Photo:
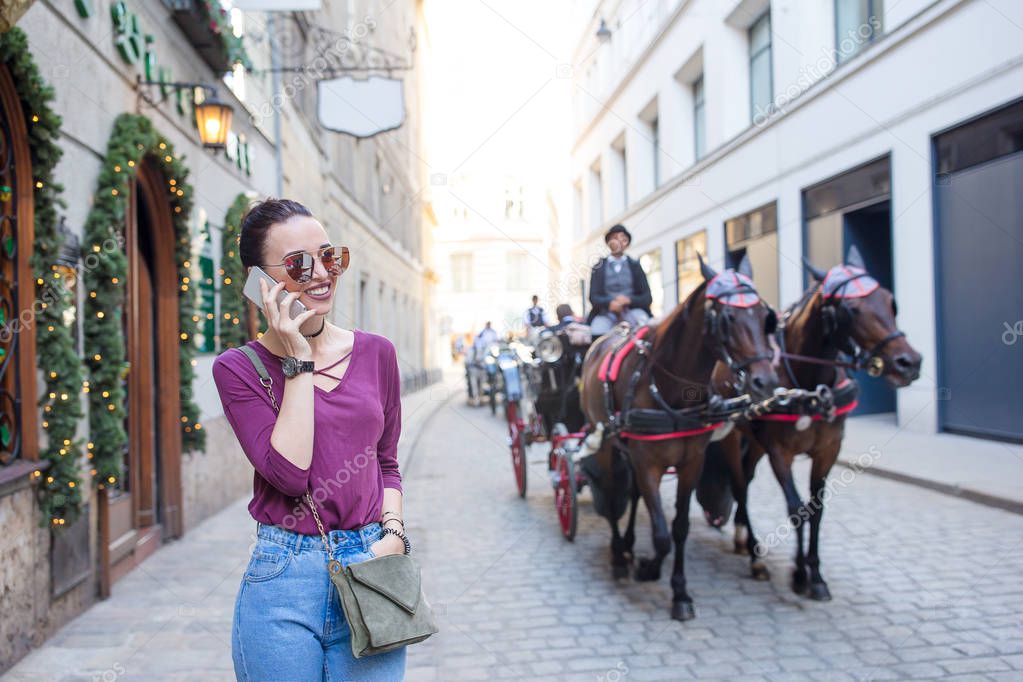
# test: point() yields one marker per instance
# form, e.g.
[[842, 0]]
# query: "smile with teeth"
[[321, 292]]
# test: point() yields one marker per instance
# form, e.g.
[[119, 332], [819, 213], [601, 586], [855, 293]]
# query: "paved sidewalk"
[[985, 471], [170, 618]]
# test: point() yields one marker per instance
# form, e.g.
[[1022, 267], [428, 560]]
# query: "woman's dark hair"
[[256, 224]]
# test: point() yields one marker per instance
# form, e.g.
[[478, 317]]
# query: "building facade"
[[494, 247], [113, 438], [782, 129]]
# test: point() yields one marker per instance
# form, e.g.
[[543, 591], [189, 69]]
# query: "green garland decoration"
[[133, 138], [59, 487], [233, 330]]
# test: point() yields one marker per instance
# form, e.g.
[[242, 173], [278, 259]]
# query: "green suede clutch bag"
[[382, 598]]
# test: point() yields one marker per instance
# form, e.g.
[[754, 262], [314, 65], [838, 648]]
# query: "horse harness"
[[661, 423], [836, 317], [666, 422]]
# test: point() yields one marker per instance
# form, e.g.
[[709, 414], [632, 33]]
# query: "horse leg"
[[681, 602], [797, 515], [648, 480], [751, 455], [629, 539], [822, 463], [742, 464], [612, 480]]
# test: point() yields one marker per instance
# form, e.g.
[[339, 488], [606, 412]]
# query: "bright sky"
[[494, 103]]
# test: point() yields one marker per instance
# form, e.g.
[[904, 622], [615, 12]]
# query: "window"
[[596, 212], [857, 24], [461, 272], [686, 263], [761, 86], [518, 267], [755, 234], [364, 302], [513, 202], [651, 264], [699, 129], [655, 140], [577, 210], [620, 175]]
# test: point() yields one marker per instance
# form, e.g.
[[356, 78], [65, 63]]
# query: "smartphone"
[[253, 293]]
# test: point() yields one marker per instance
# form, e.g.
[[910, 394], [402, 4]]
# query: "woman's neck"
[[317, 344]]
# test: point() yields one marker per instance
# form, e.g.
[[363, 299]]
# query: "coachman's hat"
[[615, 230]]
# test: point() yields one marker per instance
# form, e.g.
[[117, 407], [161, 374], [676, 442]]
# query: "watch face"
[[290, 366]]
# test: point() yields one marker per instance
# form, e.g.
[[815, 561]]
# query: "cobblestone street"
[[924, 585]]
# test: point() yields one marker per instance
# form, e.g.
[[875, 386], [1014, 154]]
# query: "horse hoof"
[[683, 610], [620, 572], [647, 570], [760, 572], [820, 592]]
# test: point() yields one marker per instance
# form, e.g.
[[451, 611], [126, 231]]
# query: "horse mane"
[[796, 309], [670, 330]]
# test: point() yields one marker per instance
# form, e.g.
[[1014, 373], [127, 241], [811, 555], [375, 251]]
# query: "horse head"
[[737, 324], [858, 317]]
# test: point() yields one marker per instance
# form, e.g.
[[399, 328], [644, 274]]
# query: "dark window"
[[871, 181], [760, 79], [985, 139], [699, 129], [857, 24]]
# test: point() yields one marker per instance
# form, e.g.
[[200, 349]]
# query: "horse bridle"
[[717, 329], [831, 307]]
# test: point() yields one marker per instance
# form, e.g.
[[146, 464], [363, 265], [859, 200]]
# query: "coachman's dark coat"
[[600, 299]]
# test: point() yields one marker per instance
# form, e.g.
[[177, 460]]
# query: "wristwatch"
[[292, 366]]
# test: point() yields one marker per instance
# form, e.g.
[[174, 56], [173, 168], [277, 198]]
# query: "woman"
[[335, 436]]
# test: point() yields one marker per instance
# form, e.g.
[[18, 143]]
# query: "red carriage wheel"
[[565, 494], [517, 441]]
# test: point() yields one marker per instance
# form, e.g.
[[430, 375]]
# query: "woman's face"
[[301, 233]]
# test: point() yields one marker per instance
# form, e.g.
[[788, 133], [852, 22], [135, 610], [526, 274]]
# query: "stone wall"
[[30, 614]]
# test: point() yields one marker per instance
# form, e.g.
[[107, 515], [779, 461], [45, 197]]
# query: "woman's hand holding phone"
[[288, 329]]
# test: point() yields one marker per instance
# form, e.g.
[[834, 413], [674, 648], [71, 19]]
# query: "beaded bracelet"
[[391, 531]]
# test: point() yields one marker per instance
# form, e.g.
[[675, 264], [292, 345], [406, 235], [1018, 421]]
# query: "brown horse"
[[844, 311], [730, 324]]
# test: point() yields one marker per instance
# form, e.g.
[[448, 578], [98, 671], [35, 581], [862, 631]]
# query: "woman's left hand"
[[389, 544]]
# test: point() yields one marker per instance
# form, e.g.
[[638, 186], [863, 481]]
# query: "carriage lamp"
[[212, 115], [549, 349]]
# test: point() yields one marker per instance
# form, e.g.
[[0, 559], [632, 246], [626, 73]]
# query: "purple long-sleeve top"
[[355, 437]]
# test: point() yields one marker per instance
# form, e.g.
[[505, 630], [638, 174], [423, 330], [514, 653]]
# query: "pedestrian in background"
[[334, 435]]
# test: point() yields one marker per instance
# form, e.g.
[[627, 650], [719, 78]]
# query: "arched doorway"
[[148, 509], [18, 442]]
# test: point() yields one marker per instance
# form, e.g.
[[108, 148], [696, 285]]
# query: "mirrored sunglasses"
[[299, 266]]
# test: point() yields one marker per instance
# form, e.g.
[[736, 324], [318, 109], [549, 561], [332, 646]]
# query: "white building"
[[493, 251], [787, 128]]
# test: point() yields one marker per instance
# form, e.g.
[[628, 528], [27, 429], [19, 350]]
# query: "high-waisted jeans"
[[288, 621]]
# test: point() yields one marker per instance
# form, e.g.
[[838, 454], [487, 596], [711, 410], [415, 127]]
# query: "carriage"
[[546, 409]]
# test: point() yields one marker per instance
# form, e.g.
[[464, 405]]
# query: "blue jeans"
[[288, 622]]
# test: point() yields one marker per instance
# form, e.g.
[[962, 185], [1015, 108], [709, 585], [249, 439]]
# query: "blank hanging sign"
[[361, 107], [277, 5]]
